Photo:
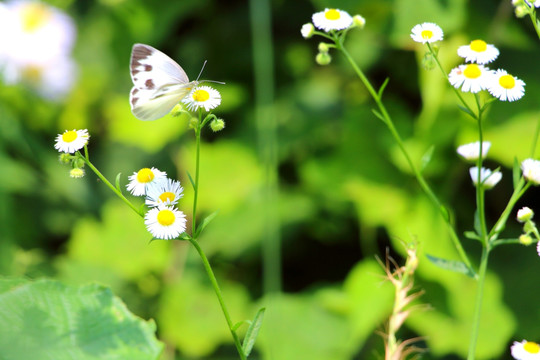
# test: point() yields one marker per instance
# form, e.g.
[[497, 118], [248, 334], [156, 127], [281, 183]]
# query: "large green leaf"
[[49, 320]]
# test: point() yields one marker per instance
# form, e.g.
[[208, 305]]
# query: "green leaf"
[[253, 331], [471, 235], [383, 86], [516, 173], [49, 320], [452, 265], [142, 208], [184, 236], [191, 180], [378, 114], [426, 158], [117, 182], [467, 111], [205, 222]]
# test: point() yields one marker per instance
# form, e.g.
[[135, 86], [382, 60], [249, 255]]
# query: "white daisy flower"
[[165, 222], [487, 178], [202, 97], [426, 33], [478, 51], [524, 214], [470, 78], [471, 151], [531, 170], [506, 87], [533, 3], [37, 50], [71, 141], [332, 19], [141, 180], [166, 192], [525, 350], [307, 30]]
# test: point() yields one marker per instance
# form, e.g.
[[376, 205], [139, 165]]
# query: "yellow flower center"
[[145, 175], [472, 71], [166, 196], [478, 45], [69, 136], [531, 347], [426, 34], [507, 81], [332, 14], [34, 16], [32, 73], [201, 95], [165, 217]]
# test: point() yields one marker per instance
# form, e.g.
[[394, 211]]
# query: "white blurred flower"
[[471, 151], [488, 178], [531, 170], [525, 350], [38, 46], [524, 214]]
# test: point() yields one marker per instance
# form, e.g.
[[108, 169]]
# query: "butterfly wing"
[[159, 83]]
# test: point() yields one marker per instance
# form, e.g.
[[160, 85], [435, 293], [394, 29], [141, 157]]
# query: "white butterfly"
[[159, 83]]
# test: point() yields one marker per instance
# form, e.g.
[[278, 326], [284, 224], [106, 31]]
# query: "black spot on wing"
[[149, 84]]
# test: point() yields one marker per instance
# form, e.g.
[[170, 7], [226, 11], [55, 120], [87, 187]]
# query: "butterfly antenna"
[[200, 73], [213, 81]]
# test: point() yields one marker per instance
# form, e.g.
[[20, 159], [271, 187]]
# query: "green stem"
[[198, 131], [217, 290], [532, 14], [419, 177], [516, 195], [478, 302], [106, 182], [480, 189], [194, 242]]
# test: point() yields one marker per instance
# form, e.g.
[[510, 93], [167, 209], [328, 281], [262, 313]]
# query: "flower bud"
[[524, 214], [65, 158], [323, 58], [525, 240], [76, 173], [307, 30], [323, 47], [193, 123], [217, 125], [359, 21]]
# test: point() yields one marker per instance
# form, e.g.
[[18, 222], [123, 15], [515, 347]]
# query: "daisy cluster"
[[68, 143], [474, 76], [36, 48], [330, 21], [163, 220]]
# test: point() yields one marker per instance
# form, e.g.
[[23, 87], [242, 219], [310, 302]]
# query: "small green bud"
[[323, 47], [177, 110], [193, 123], [525, 240], [323, 58], [78, 163], [359, 21], [65, 158], [428, 62], [217, 125], [521, 10], [76, 173]]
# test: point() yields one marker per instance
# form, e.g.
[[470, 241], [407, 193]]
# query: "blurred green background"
[[345, 192]]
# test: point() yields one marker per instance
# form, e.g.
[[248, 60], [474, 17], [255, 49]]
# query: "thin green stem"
[[480, 189], [217, 290], [193, 240], [478, 302], [532, 14], [419, 177], [458, 94], [516, 195], [535, 138], [198, 131], [107, 182]]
